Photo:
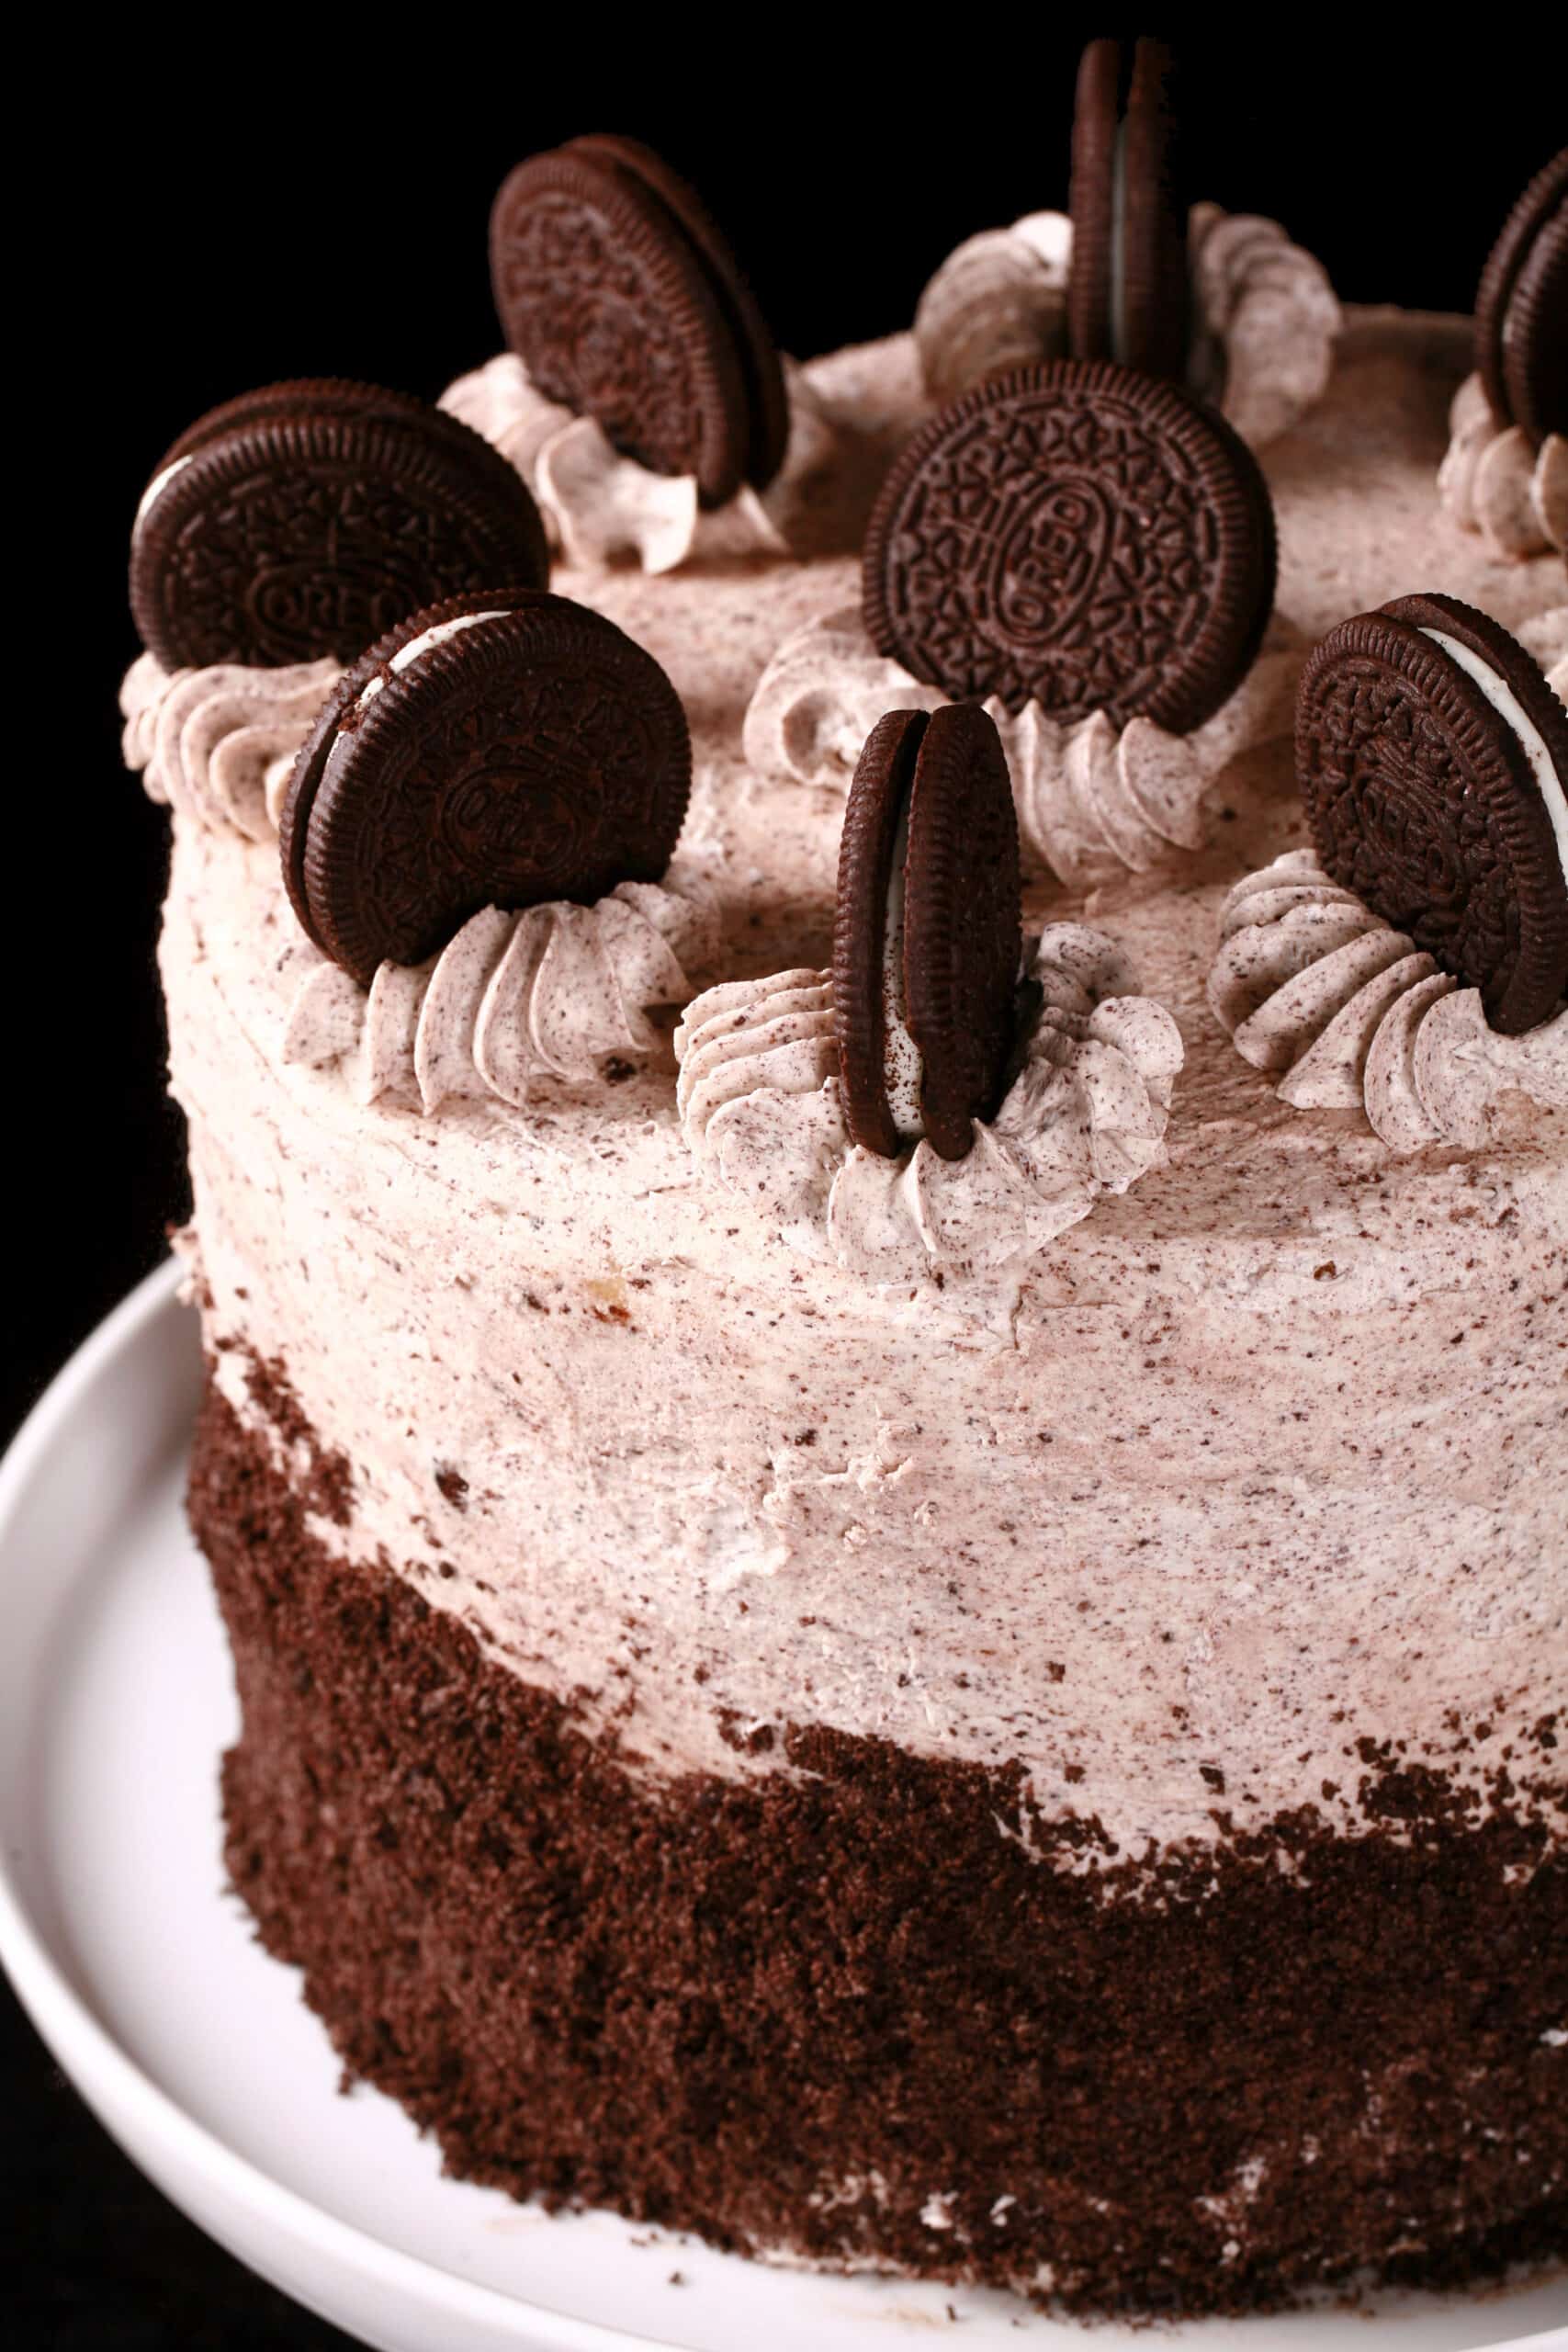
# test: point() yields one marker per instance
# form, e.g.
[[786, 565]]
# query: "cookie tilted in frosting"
[[305, 519], [1413, 965], [501, 750], [1505, 474], [1432, 755], [644, 401]]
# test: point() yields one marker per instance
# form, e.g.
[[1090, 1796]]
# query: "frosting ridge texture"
[[758, 1095], [1493, 479], [1093, 800], [218, 744], [1266, 315], [602, 507], [1311, 984], [513, 998]]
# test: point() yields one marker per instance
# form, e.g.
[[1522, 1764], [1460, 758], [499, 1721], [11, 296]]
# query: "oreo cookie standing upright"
[[1432, 756], [306, 518], [1521, 309], [927, 941], [623, 302], [1079, 535], [501, 749], [1129, 295]]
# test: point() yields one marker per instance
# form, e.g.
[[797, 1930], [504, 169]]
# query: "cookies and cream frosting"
[[602, 508], [1493, 479], [1266, 315], [758, 1101], [556, 991], [1093, 800], [219, 744], [1310, 984]]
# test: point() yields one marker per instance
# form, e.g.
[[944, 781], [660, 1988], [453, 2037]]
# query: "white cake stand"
[[196, 2053]]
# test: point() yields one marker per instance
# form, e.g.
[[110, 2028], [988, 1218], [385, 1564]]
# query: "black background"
[[322, 212]]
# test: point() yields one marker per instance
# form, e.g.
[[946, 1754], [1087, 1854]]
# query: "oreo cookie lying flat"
[[499, 749], [1521, 309], [926, 939], [1128, 288], [305, 519], [1079, 535], [1432, 759], [623, 301]]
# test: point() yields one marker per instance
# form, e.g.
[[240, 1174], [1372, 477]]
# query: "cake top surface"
[[1257, 1204]]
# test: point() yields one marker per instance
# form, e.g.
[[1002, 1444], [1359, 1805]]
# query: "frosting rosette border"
[[218, 745], [1266, 316], [1495, 480], [1094, 801], [514, 999], [1348, 1014], [758, 1096], [602, 508]]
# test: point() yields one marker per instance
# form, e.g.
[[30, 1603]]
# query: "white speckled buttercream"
[[1267, 1460]]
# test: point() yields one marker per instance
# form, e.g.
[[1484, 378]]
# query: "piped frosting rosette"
[[1094, 800], [1493, 479], [758, 1095], [1311, 985], [602, 508], [218, 745], [1266, 315], [514, 999]]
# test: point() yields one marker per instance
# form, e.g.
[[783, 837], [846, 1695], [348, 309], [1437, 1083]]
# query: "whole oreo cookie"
[[306, 518], [1079, 535], [926, 941], [499, 749], [623, 301], [1128, 288], [1521, 309], [1432, 759]]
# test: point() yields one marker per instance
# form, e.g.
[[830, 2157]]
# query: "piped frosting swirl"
[[219, 744], [1310, 984], [758, 1095], [1094, 801], [1266, 317], [1495, 480], [602, 508], [513, 1000]]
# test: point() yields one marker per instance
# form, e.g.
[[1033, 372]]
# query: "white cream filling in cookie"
[[903, 1064], [1506, 704]]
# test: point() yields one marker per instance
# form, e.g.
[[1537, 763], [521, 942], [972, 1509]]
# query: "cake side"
[[862, 2010]]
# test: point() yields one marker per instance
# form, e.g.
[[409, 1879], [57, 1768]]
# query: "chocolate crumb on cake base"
[[867, 2007]]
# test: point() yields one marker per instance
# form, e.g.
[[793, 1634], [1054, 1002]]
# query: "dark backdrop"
[[323, 212]]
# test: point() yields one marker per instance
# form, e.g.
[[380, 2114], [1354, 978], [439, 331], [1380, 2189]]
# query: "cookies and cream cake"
[[888, 1603]]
